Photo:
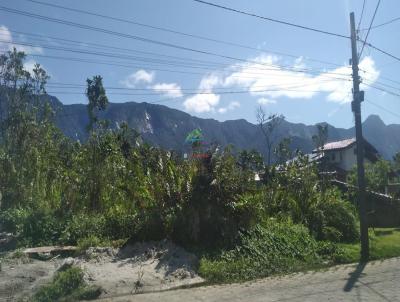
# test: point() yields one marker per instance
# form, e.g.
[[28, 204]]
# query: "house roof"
[[370, 152], [343, 144]]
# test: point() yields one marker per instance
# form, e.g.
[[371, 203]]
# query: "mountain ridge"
[[167, 127]]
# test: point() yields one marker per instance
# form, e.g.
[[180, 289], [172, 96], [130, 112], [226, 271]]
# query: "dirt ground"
[[138, 268], [373, 282]]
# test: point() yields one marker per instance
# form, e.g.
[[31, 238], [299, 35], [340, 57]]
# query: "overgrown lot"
[[115, 187]]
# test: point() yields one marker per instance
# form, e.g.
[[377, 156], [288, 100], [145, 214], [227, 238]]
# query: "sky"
[[239, 63]]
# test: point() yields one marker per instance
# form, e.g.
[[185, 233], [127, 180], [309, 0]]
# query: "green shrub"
[[67, 285], [91, 241], [262, 251], [119, 224], [41, 227], [12, 220], [82, 225], [334, 220]]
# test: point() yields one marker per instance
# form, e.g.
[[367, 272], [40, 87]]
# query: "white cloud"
[[171, 90], [209, 82], [205, 100], [368, 71], [231, 106], [7, 43], [266, 78], [140, 76], [202, 102], [265, 101]]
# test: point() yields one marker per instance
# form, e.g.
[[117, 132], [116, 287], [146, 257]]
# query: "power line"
[[383, 89], [143, 25], [272, 67], [382, 24], [382, 108], [196, 93], [362, 13], [94, 45], [186, 72], [381, 50], [380, 83], [176, 32], [154, 27], [157, 54], [369, 29], [106, 31], [79, 86], [272, 19], [209, 63]]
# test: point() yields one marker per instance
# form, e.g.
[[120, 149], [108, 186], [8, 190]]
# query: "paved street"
[[377, 281]]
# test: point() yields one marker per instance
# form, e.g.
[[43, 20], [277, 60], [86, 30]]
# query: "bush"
[[85, 243], [12, 220], [119, 224], [334, 220], [41, 227], [262, 251], [67, 285], [82, 225]]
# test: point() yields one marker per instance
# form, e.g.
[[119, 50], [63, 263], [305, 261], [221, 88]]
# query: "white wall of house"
[[344, 158]]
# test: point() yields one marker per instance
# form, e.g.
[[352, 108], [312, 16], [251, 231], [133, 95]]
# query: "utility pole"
[[358, 97]]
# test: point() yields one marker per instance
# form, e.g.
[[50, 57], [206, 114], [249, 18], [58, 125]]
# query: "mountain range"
[[166, 127]]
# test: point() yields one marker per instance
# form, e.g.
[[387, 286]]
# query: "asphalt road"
[[376, 281]]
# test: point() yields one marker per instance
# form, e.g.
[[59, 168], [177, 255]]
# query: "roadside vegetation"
[[384, 243], [67, 286], [114, 187]]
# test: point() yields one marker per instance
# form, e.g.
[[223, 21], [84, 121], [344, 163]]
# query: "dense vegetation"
[[54, 190]]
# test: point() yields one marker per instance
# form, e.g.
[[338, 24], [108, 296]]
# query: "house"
[[341, 156]]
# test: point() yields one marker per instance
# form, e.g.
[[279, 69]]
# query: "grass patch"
[[66, 286], [274, 248], [384, 243]]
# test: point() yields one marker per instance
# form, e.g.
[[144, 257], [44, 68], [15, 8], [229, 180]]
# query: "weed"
[[66, 286], [265, 250]]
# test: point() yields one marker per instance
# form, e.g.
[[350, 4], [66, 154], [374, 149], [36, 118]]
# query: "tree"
[[396, 159], [268, 126], [321, 137], [282, 150], [376, 175], [97, 98], [250, 160], [98, 101]]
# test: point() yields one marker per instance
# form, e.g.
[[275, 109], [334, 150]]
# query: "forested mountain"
[[166, 127]]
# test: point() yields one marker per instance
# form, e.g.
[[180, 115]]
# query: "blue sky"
[[303, 90]]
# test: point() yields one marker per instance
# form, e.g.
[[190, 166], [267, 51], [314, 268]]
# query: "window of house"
[[333, 156]]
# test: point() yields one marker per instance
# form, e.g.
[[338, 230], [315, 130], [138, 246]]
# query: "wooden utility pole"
[[358, 97]]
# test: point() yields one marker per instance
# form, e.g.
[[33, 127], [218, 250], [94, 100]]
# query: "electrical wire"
[[381, 50], [158, 54], [383, 89], [273, 20], [369, 29], [143, 25], [383, 24], [272, 67], [196, 93], [383, 108], [362, 13], [106, 31], [147, 40]]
